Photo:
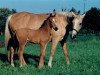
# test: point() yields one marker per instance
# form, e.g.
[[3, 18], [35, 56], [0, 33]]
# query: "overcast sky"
[[43, 6]]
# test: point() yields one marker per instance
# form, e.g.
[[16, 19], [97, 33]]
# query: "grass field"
[[84, 55]]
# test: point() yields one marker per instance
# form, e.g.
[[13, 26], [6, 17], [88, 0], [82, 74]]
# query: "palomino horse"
[[73, 25], [22, 20], [61, 37], [77, 24], [34, 22], [41, 36]]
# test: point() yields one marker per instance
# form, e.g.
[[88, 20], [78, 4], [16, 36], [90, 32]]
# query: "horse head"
[[52, 20], [77, 24]]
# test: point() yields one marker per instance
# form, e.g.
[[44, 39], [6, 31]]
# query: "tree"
[[92, 19], [4, 13]]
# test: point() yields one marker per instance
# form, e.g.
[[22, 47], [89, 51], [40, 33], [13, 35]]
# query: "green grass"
[[84, 55]]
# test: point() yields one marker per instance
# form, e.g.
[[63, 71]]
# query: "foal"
[[41, 36]]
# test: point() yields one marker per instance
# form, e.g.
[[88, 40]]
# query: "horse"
[[63, 40], [41, 36], [72, 25], [22, 20], [77, 24], [61, 20]]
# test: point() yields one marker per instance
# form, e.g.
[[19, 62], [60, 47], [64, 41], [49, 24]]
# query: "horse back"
[[27, 20]]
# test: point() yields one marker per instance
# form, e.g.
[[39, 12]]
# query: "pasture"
[[84, 56]]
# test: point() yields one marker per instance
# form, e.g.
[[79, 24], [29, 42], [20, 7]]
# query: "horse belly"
[[34, 37], [35, 40]]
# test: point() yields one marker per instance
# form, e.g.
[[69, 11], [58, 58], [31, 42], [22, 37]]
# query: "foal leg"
[[63, 44], [54, 44], [20, 55], [42, 54], [23, 61]]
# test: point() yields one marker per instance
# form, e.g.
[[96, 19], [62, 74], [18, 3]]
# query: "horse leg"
[[23, 61], [12, 56], [42, 54], [8, 51], [8, 55], [63, 44], [54, 44], [20, 55]]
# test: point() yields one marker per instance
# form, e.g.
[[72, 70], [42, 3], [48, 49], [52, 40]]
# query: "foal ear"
[[53, 14]]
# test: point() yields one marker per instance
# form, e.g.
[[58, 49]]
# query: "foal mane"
[[43, 24]]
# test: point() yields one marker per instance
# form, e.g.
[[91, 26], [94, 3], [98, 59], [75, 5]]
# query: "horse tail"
[[7, 35]]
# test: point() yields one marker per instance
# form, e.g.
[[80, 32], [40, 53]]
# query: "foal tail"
[[7, 34]]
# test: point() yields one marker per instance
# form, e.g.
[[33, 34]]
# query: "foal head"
[[49, 23], [53, 23], [77, 24]]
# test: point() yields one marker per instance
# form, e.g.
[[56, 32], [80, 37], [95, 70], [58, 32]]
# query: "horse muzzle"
[[73, 37], [73, 34]]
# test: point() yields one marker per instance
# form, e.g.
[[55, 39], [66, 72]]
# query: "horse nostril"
[[74, 37]]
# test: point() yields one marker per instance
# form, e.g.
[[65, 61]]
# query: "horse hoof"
[[24, 64], [49, 64], [40, 66], [21, 66], [12, 65], [68, 63]]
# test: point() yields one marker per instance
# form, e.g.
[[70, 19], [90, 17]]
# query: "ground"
[[84, 56]]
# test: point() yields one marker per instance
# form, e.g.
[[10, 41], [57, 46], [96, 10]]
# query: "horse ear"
[[73, 14], [83, 15]]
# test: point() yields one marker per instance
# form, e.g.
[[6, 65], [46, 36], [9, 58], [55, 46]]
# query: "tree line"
[[91, 20], [4, 13]]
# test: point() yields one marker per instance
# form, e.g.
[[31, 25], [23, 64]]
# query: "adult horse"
[[61, 35], [72, 25], [41, 36], [77, 24]]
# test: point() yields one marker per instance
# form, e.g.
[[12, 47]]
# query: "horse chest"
[[59, 33]]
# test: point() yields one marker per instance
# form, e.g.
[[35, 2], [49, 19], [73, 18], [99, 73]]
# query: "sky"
[[45, 6]]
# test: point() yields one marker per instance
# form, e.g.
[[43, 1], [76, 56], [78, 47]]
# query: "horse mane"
[[43, 24]]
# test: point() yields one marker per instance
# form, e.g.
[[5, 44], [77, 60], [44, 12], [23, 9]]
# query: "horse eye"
[[80, 23]]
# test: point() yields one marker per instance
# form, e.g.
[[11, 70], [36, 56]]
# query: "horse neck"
[[46, 26]]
